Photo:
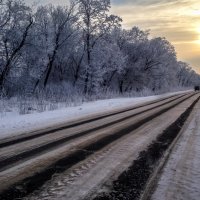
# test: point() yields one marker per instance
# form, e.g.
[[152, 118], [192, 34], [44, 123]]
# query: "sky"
[[176, 20]]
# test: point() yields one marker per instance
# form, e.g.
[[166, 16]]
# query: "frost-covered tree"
[[13, 36], [158, 58], [131, 42], [95, 22], [81, 48], [186, 75], [54, 29], [5, 13]]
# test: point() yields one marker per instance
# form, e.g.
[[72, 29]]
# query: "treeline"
[[82, 48]]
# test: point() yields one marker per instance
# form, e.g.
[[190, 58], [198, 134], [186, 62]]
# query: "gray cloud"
[[141, 2]]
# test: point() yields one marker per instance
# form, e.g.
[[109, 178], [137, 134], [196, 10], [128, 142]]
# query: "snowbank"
[[12, 123]]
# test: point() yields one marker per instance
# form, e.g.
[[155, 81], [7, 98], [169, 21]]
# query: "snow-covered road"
[[180, 178], [61, 148], [94, 174], [87, 153]]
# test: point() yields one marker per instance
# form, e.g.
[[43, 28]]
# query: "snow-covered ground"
[[11, 123], [180, 177]]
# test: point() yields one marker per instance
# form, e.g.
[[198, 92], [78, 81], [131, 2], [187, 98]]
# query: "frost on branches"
[[81, 48]]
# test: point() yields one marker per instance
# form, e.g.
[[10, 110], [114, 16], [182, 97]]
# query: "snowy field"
[[12, 123]]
